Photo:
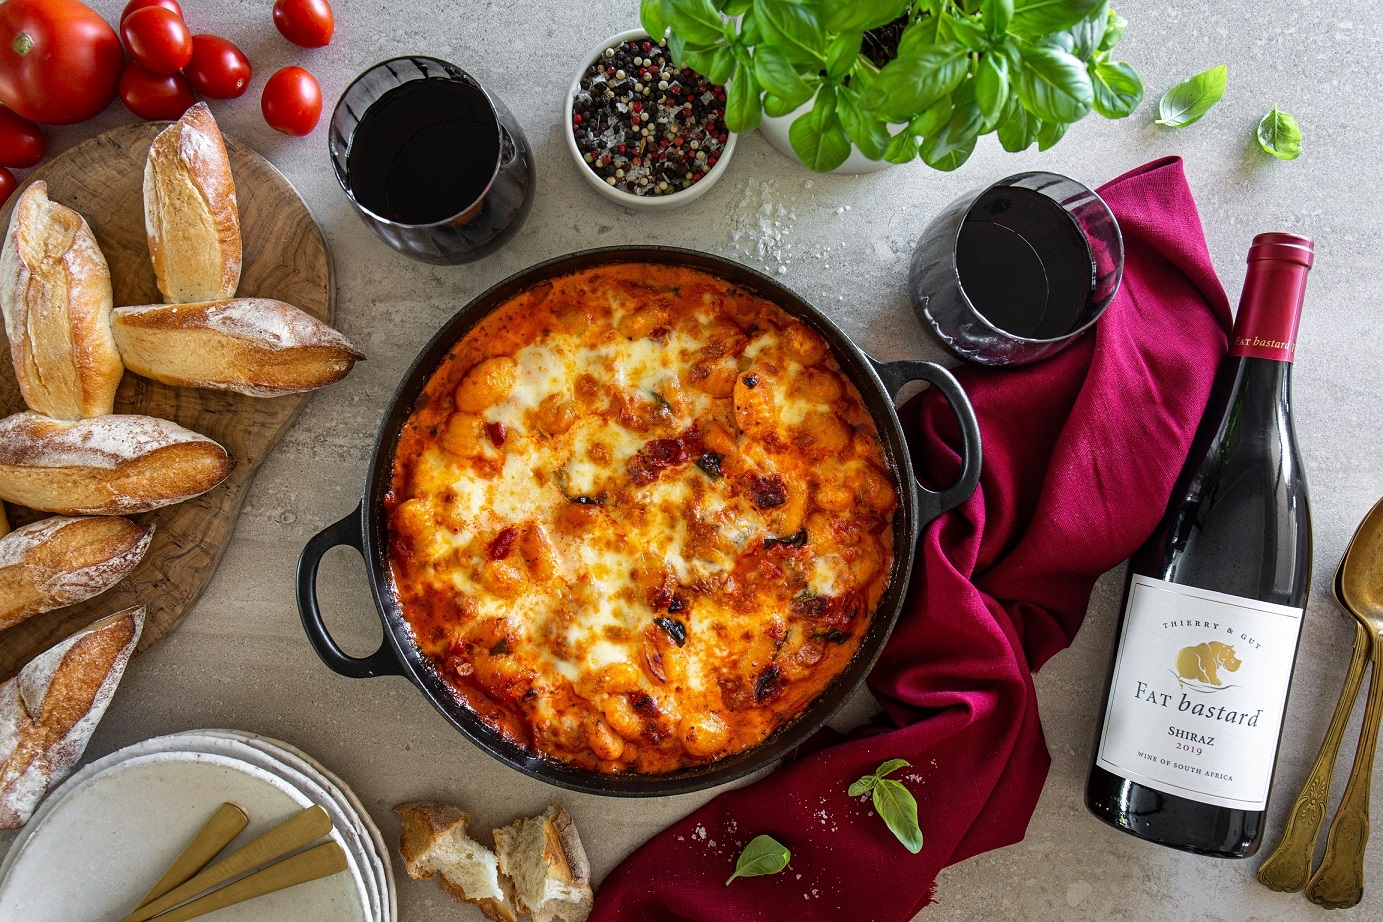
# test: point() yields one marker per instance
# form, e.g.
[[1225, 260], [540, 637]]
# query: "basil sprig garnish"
[[893, 802], [764, 855], [1185, 103], [1279, 135]]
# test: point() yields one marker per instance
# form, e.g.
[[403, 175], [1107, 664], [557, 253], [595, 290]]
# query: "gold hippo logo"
[[1203, 662]]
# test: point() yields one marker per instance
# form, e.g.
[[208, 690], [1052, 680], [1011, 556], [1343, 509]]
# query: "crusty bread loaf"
[[189, 211], [434, 843], [55, 294], [49, 710], [61, 561], [544, 857], [255, 346], [112, 465]]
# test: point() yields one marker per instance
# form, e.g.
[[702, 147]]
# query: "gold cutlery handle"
[[322, 861], [1288, 868], [1339, 882], [290, 835], [225, 824]]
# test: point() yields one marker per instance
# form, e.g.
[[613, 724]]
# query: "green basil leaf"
[[775, 73], [697, 21], [1033, 18], [996, 15], [1185, 103], [958, 134], [1018, 128], [821, 149], [894, 802], [866, 783], [763, 855], [1113, 31], [860, 15], [891, 766], [932, 118], [736, 7], [795, 29], [721, 65], [677, 47], [1064, 41], [1280, 135], [750, 33], [910, 84], [991, 86], [970, 35], [842, 53], [920, 35], [1089, 32], [777, 106], [1118, 88], [903, 148], [743, 109], [823, 114], [651, 17], [868, 134], [1049, 133], [1052, 84]]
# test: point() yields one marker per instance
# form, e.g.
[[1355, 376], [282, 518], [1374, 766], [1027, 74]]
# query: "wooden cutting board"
[[285, 257]]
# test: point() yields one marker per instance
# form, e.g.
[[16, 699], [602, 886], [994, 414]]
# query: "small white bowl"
[[638, 202]]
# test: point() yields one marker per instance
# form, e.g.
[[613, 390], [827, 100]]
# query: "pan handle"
[[382, 661], [930, 502]]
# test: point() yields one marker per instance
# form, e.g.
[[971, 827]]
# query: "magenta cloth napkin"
[[1080, 455]]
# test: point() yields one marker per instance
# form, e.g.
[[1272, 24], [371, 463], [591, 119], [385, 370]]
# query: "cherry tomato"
[[157, 38], [7, 185], [22, 143], [306, 23], [141, 4], [59, 61], [292, 101], [152, 95], [218, 69]]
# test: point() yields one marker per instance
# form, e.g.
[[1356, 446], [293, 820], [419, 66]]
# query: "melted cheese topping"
[[639, 519]]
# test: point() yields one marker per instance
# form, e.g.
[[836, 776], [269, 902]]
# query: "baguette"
[[113, 465], [544, 857], [189, 211], [49, 711], [254, 346], [61, 561], [56, 296], [433, 843]]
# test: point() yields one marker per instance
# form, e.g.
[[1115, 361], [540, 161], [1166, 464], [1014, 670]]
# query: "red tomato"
[[22, 143], [157, 38], [59, 61], [292, 101], [306, 23], [154, 96], [141, 4], [7, 185], [218, 69]]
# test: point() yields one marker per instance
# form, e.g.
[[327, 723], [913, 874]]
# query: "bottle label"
[[1269, 311], [1196, 702]]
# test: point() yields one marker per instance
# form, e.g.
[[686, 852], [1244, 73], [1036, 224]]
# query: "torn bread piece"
[[544, 857], [49, 711], [434, 843]]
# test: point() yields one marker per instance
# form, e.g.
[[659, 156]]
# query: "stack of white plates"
[[107, 834]]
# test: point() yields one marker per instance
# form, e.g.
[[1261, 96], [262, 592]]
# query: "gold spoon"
[[1339, 882], [225, 824], [1288, 868]]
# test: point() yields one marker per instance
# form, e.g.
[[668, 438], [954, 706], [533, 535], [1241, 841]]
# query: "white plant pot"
[[775, 130]]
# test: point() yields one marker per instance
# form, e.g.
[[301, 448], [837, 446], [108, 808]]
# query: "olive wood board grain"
[[285, 257]]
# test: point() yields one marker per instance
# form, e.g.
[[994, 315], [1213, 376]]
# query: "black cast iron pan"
[[364, 529]]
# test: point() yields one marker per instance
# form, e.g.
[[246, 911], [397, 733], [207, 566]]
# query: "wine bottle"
[[1213, 602]]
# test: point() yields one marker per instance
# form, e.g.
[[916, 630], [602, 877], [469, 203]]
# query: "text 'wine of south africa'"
[[1212, 608]]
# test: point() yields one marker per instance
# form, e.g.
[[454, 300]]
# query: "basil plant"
[[1025, 69]]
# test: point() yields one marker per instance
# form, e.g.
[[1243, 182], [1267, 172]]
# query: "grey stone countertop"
[[240, 658]]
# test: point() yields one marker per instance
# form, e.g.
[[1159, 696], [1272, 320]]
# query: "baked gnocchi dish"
[[638, 519]]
